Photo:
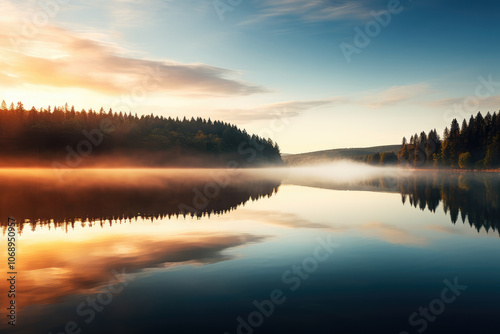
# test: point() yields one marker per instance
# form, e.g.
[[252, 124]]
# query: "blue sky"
[[275, 68]]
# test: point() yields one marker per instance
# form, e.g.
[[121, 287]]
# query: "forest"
[[69, 136], [473, 145]]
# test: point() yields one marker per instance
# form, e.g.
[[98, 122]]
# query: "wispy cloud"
[[491, 101], [395, 95], [285, 109], [310, 10], [125, 13]]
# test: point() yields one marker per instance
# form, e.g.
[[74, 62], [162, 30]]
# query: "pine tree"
[[454, 143], [492, 159]]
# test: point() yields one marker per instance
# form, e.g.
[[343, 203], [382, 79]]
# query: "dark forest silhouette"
[[473, 145], [69, 136], [40, 200]]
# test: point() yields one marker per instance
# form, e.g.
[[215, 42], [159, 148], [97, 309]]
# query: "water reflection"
[[472, 197], [41, 198], [392, 259], [85, 266]]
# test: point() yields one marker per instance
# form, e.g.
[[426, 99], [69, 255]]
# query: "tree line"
[[473, 145], [384, 158], [50, 133]]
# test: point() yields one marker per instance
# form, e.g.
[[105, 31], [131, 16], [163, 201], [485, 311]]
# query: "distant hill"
[[336, 154]]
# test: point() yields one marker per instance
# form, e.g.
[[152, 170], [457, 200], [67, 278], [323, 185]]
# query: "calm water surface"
[[170, 251]]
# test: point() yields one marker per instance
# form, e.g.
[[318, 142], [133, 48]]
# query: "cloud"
[[446, 102], [56, 57], [276, 110], [395, 95], [124, 13], [287, 109], [310, 10], [463, 102], [130, 13]]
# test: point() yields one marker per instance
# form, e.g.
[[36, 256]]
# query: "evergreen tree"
[[492, 159]]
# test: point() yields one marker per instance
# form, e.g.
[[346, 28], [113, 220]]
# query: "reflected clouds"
[[83, 267], [392, 234]]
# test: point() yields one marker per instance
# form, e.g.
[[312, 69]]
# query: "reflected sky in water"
[[200, 274]]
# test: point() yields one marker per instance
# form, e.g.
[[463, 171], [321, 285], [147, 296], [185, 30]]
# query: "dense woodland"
[[63, 133], [473, 145]]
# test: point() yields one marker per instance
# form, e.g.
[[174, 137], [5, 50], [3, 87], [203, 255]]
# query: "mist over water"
[[63, 197], [343, 171]]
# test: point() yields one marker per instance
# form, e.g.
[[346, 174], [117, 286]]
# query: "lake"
[[304, 250]]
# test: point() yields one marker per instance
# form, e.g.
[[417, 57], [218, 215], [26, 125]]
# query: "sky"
[[310, 74]]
